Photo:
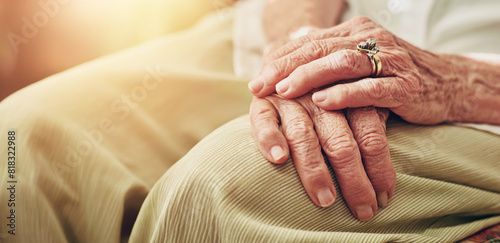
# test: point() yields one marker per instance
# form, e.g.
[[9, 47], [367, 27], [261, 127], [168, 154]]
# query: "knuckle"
[[373, 88], [315, 179], [259, 111], [344, 92], [299, 130], [297, 44], [310, 51], [302, 40], [302, 76], [265, 133], [314, 169], [262, 115], [373, 144], [328, 46], [318, 49], [303, 53], [340, 148], [275, 70], [342, 61], [316, 176]]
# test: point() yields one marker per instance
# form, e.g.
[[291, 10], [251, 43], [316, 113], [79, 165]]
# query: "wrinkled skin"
[[356, 148], [419, 86], [354, 143]]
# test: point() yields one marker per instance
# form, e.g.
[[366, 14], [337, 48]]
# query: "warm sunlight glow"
[[47, 36]]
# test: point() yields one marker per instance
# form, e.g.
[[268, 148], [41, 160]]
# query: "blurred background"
[[40, 38]]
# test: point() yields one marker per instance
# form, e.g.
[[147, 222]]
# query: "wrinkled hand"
[[364, 178], [419, 86]]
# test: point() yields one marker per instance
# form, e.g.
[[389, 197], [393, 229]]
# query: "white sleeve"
[[249, 39]]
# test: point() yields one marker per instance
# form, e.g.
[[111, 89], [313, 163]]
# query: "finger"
[[368, 127], [306, 152], [293, 46], [386, 92], [340, 65], [265, 127], [341, 30], [383, 115], [281, 63], [342, 151], [279, 69]]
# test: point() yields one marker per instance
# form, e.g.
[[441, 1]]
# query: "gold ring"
[[374, 66], [378, 63], [371, 49]]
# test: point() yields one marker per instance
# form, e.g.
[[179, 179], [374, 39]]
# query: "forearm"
[[478, 98], [284, 17]]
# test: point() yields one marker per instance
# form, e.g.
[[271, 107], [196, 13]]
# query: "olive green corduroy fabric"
[[93, 140], [223, 190]]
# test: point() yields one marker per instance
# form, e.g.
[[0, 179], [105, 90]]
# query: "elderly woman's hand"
[[419, 86], [356, 147], [367, 179]]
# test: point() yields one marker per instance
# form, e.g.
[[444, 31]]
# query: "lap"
[[224, 190], [93, 140]]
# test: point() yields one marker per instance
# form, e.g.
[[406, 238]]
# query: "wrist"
[[478, 91], [460, 96]]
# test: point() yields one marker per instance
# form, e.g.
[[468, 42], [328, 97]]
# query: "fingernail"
[[256, 85], [319, 96], [325, 197], [277, 153], [382, 199], [282, 86], [364, 212]]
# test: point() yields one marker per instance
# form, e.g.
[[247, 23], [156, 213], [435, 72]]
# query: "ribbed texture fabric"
[[223, 190], [93, 140]]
